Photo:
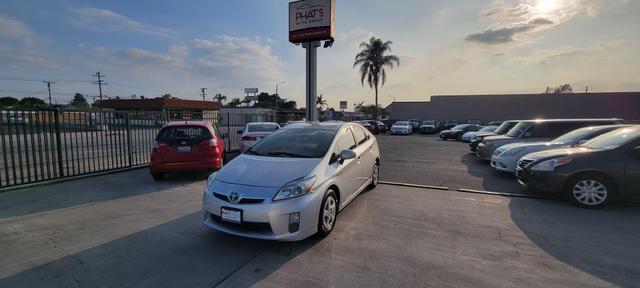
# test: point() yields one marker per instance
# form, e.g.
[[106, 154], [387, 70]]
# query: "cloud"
[[90, 17], [548, 56], [512, 20], [13, 29], [137, 57], [507, 34], [179, 49]]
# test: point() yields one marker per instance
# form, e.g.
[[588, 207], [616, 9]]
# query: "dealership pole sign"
[[311, 21]]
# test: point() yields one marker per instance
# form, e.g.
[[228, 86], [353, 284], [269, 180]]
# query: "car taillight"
[[248, 138], [212, 145], [156, 146]]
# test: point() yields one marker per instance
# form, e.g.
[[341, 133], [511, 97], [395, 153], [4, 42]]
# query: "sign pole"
[[312, 78]]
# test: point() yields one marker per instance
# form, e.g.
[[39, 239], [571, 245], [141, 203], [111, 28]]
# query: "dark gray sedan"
[[602, 169]]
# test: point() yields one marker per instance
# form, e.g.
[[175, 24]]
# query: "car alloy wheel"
[[590, 192], [328, 213], [375, 176]]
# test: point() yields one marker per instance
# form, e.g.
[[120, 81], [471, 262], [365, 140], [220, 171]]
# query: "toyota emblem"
[[233, 197]]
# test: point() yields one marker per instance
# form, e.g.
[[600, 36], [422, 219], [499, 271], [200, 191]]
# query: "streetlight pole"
[[283, 82]]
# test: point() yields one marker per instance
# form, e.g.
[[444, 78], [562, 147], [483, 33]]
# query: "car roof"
[[334, 126], [262, 123], [188, 123], [573, 120]]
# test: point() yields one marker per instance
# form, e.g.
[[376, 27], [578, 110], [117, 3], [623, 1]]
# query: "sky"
[[445, 48]]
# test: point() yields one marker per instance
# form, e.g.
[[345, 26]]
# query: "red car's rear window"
[[183, 134]]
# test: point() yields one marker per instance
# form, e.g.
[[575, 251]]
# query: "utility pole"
[[100, 82], [49, 88], [204, 95], [586, 90]]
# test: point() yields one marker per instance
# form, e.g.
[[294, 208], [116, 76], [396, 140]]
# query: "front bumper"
[[484, 151], [402, 132], [268, 220], [506, 164], [549, 182], [427, 130]]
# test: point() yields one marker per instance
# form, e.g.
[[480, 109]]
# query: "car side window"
[[543, 130], [345, 142], [360, 135]]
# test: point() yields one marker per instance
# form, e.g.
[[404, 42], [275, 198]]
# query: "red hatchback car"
[[186, 146]]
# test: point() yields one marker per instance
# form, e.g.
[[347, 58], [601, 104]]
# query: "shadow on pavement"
[[71, 193], [180, 253], [603, 243], [492, 180]]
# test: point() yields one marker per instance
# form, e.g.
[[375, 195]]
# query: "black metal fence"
[[41, 145]]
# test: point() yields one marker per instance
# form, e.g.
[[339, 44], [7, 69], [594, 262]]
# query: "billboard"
[[250, 90], [343, 105], [311, 20]]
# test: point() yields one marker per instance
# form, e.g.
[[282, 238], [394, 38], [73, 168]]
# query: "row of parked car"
[[591, 161]]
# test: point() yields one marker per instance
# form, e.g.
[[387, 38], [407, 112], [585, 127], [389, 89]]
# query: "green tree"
[[31, 103], [79, 101], [562, 89], [220, 98], [321, 102], [8, 102], [235, 102], [373, 58]]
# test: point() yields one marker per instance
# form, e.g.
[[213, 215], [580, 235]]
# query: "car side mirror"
[[240, 131], [346, 155]]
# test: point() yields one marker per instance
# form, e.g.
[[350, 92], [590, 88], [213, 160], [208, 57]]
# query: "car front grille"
[[242, 200], [256, 227], [523, 163]]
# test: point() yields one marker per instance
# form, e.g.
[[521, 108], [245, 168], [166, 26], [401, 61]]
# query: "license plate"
[[231, 215], [184, 149]]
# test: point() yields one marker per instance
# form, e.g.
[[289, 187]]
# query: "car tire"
[[157, 176], [590, 190], [328, 208], [375, 175]]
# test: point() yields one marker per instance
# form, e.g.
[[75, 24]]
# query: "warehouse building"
[[486, 108]]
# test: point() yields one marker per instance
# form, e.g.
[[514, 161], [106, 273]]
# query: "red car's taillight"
[[249, 138], [213, 144]]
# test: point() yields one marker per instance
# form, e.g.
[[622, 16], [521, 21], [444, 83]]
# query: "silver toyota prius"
[[292, 184]]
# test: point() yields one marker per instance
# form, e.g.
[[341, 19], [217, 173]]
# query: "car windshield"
[[518, 129], [613, 139], [428, 123], [401, 123], [504, 128], [460, 127], [266, 127], [575, 135], [295, 143], [488, 129]]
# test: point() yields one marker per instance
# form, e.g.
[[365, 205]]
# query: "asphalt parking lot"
[[427, 160], [125, 230]]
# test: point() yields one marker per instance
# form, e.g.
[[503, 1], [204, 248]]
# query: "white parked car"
[[471, 135], [505, 158], [402, 127], [292, 184], [254, 132]]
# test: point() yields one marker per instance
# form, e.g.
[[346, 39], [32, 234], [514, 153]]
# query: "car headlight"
[[211, 178], [550, 165], [512, 152], [295, 188]]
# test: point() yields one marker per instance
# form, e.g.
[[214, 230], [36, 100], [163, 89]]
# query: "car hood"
[[538, 144], [554, 153], [266, 171], [485, 134]]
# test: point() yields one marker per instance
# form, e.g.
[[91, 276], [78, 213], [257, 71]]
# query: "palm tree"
[[235, 102], [219, 97], [372, 60], [321, 102]]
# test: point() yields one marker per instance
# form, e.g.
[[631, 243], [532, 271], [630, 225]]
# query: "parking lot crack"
[[235, 270], [66, 253]]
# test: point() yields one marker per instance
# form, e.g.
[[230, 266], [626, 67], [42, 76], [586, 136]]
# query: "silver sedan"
[[292, 184]]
